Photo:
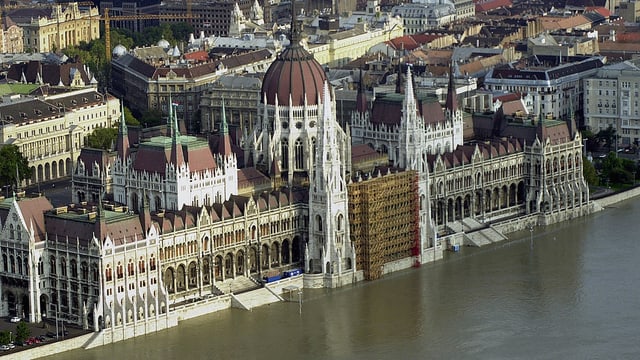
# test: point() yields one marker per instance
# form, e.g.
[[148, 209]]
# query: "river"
[[568, 291]]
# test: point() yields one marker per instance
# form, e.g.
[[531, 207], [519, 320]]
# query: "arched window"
[[107, 273], [74, 268], [299, 154], [63, 267], [11, 232], [52, 264], [284, 148], [152, 262], [313, 149], [340, 222], [119, 271], [319, 222], [84, 270], [5, 264], [141, 268], [130, 268]]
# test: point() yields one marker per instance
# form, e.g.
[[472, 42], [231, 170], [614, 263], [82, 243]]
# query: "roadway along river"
[[571, 293]]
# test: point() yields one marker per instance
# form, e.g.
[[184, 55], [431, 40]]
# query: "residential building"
[[556, 82], [611, 99], [11, 37], [50, 131], [420, 17]]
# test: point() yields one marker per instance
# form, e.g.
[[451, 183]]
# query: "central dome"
[[294, 72]]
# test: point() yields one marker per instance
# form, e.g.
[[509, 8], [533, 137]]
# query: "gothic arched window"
[[299, 155], [284, 147]]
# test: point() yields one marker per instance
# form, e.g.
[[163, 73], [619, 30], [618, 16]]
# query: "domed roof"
[[294, 72], [119, 50], [163, 44]]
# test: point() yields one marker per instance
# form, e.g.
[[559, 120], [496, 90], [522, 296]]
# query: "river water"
[[568, 291]]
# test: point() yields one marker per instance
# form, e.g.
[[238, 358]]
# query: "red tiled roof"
[[600, 10], [197, 56], [482, 6]]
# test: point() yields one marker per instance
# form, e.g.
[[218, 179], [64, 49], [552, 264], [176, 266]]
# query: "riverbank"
[[194, 310]]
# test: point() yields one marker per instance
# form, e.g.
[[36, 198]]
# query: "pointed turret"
[[224, 144], [296, 28], [452, 100], [100, 229], [145, 214], [177, 157], [122, 145]]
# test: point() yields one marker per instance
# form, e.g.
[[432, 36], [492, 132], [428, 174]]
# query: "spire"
[[100, 229], [122, 145], [409, 87], [177, 157], [145, 215], [224, 144], [452, 100], [296, 29], [361, 99], [18, 189]]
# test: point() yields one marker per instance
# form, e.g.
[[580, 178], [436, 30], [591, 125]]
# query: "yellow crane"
[[108, 19]]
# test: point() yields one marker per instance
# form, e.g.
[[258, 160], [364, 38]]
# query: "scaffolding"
[[384, 220]]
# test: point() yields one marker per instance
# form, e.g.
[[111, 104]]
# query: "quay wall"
[[207, 306], [618, 197], [53, 348]]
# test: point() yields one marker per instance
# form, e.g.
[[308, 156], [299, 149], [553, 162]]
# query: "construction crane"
[[108, 19]]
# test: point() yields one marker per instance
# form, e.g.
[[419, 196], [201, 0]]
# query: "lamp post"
[[531, 236]]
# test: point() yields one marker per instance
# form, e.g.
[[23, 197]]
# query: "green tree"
[[608, 135], [13, 164], [22, 331], [102, 138], [589, 172], [5, 337], [151, 117], [129, 119]]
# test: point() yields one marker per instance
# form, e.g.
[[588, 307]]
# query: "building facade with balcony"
[[611, 99]]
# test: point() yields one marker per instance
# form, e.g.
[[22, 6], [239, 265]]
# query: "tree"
[[22, 332], [102, 138], [5, 337], [129, 119], [13, 164], [608, 135], [589, 172], [151, 117]]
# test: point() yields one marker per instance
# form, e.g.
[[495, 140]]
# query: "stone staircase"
[[249, 300], [237, 285], [483, 237]]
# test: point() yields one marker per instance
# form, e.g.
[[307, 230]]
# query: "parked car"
[[42, 338], [51, 334], [15, 319], [4, 347]]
